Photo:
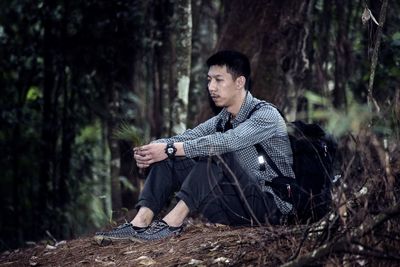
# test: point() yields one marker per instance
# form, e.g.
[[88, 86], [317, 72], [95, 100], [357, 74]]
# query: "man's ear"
[[240, 82]]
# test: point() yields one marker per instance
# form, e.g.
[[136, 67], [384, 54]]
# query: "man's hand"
[[149, 154]]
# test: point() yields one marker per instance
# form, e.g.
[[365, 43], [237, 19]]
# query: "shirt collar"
[[243, 111], [245, 108]]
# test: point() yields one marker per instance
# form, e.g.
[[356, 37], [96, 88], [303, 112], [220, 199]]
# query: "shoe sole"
[[138, 240]]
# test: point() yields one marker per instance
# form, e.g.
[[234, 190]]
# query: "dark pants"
[[222, 194]]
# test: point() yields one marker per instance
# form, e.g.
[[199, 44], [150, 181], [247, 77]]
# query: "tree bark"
[[339, 91], [67, 140], [274, 35], [115, 161], [49, 124], [374, 61], [205, 14], [183, 48], [163, 86]]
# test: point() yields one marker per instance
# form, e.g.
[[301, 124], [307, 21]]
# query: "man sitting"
[[215, 172]]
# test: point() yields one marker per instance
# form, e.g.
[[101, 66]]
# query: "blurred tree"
[[182, 48], [275, 36], [206, 14]]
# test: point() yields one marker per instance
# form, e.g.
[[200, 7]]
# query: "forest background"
[[74, 73]]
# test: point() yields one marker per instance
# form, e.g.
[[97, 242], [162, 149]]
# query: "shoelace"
[[156, 226], [122, 230], [124, 225]]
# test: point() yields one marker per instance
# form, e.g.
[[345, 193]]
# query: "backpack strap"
[[224, 128], [256, 107], [282, 188], [263, 103], [220, 128], [262, 154]]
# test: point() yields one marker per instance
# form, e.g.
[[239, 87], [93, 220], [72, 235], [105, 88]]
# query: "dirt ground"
[[198, 245]]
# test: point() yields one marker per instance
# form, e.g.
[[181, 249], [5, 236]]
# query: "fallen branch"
[[345, 241]]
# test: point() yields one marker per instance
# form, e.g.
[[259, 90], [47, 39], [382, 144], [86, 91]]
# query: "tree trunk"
[[161, 12], [181, 66], [274, 35], [204, 38], [115, 161], [339, 92], [17, 180], [158, 108], [67, 140], [321, 53], [49, 125], [68, 129]]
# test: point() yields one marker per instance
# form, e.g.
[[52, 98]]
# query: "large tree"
[[275, 36]]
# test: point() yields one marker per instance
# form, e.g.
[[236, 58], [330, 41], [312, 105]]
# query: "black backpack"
[[313, 164]]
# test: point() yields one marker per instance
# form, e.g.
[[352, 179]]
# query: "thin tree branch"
[[246, 203], [374, 62]]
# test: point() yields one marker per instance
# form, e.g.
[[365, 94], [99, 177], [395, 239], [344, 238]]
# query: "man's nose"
[[211, 86]]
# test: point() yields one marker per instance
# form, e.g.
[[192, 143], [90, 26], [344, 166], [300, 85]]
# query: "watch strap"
[[170, 150]]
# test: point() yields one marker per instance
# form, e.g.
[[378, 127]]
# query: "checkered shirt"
[[265, 126]]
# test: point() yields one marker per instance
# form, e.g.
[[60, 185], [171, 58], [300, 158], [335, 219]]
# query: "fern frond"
[[128, 133]]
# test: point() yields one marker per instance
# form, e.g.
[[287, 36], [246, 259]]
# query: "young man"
[[214, 168]]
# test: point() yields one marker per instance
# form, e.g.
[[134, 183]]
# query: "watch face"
[[170, 150]]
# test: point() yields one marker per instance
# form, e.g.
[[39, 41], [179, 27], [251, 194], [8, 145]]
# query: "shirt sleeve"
[[261, 126], [203, 129]]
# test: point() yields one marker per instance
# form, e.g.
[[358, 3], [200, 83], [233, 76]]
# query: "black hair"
[[237, 64]]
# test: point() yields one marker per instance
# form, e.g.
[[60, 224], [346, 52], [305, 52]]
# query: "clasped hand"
[[149, 154]]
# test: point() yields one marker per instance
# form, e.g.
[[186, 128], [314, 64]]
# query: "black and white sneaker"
[[158, 229], [125, 231]]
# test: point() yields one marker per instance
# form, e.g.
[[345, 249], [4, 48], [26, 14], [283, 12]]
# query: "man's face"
[[224, 90]]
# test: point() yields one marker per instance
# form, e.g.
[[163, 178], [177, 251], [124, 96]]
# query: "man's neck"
[[235, 108]]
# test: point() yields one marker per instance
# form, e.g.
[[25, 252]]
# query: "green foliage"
[[89, 134], [129, 133], [89, 210], [92, 205], [356, 117], [396, 39], [127, 184], [34, 93]]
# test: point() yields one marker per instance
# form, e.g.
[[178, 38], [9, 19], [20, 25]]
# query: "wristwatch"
[[170, 150]]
